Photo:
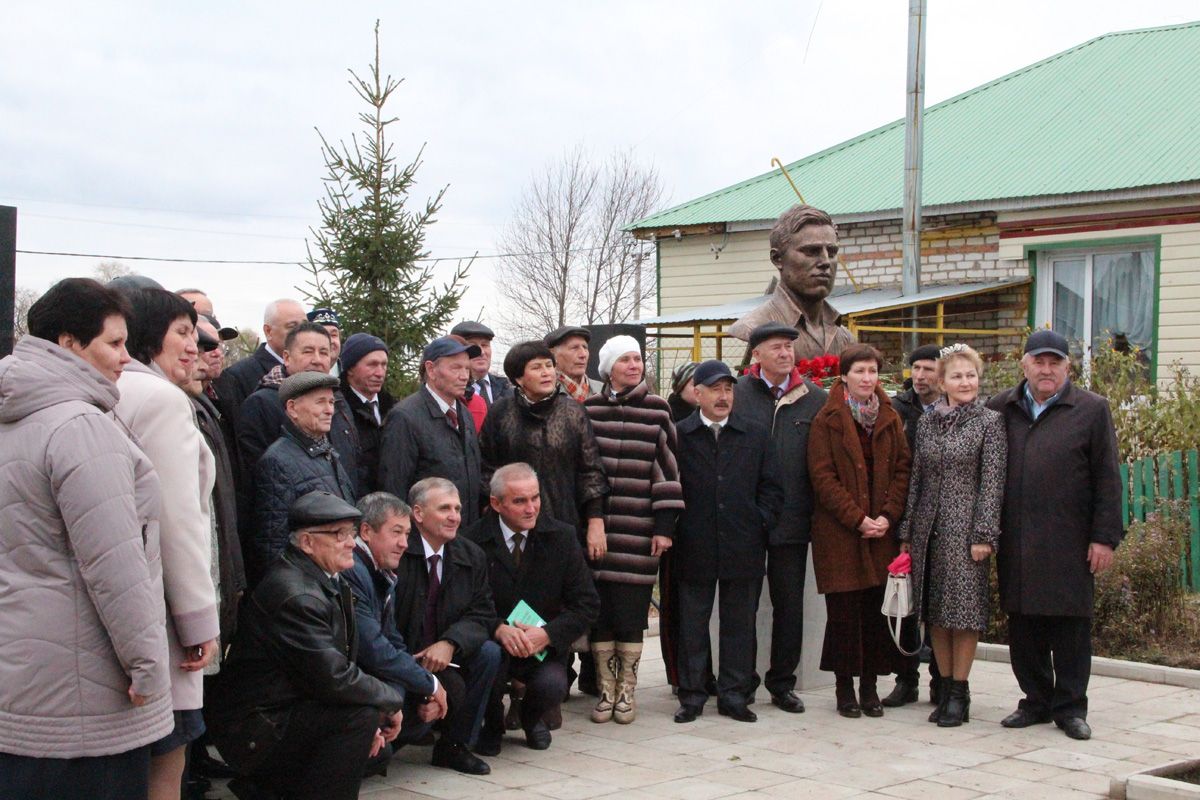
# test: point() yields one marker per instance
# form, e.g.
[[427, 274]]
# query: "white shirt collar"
[[370, 402], [708, 423], [362, 396], [509, 533], [442, 404], [274, 355]]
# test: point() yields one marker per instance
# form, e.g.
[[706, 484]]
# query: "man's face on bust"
[[808, 263]]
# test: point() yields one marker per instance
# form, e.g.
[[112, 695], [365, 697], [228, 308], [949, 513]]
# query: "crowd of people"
[[279, 560]]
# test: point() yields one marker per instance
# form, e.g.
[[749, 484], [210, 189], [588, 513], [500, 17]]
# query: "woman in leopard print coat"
[[952, 522]]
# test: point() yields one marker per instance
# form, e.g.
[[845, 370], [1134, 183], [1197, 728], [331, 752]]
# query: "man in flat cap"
[[920, 392], [364, 375], [431, 433], [570, 345], [731, 497], [804, 248], [1060, 524], [295, 715], [487, 385], [774, 394], [301, 460]]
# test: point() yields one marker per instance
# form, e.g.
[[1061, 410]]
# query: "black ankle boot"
[[847, 704], [943, 697], [958, 708]]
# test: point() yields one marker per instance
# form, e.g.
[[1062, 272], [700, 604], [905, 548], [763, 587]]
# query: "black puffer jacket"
[[296, 644], [555, 437], [292, 467]]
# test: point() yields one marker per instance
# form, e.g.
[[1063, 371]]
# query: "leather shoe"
[[903, 694], [872, 707], [789, 702], [687, 713], [850, 710], [739, 713], [1023, 718], [1075, 727], [457, 757], [537, 737]]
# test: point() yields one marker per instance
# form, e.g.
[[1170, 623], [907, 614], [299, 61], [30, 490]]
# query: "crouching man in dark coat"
[[294, 714], [732, 498], [535, 559], [1060, 524]]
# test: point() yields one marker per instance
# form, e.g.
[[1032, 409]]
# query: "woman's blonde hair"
[[956, 351]]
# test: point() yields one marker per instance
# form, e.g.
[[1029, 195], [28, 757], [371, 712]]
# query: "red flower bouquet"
[[820, 370]]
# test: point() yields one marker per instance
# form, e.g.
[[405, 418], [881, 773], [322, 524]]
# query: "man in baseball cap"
[[431, 433]]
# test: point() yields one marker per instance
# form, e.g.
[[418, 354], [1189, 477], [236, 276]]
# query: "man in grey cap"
[[777, 396], [570, 345], [430, 434], [301, 460], [488, 386], [293, 713], [731, 497], [1060, 524]]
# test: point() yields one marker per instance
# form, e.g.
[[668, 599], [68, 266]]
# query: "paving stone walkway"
[[819, 754]]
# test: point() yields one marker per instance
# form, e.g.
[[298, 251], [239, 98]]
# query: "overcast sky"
[[148, 129]]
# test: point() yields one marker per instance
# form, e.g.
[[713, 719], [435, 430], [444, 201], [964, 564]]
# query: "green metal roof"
[[1117, 112]]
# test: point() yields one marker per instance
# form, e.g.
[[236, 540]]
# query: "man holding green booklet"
[[544, 598]]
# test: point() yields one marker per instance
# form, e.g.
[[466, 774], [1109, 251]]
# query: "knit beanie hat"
[[681, 375], [613, 349], [357, 347]]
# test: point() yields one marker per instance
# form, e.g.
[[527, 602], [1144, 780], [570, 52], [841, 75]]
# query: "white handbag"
[[898, 604]]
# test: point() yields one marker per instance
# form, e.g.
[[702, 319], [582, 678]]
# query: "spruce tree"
[[369, 251]]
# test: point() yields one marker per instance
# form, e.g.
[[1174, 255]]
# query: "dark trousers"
[[857, 641], [786, 567], [123, 776], [321, 753], [909, 670], [736, 647], [1052, 661], [467, 691], [545, 684]]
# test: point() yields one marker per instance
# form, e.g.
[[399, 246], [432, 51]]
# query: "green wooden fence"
[[1170, 476]]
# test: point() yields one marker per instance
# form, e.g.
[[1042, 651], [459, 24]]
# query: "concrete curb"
[[1113, 668]]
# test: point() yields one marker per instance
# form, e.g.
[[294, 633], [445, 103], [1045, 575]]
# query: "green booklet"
[[523, 613]]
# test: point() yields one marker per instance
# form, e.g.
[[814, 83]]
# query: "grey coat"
[[82, 615], [419, 443], [954, 499]]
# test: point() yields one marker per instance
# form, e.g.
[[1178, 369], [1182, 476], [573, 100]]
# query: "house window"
[[1089, 296]]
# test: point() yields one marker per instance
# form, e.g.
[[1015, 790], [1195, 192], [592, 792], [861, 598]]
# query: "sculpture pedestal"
[[809, 676]]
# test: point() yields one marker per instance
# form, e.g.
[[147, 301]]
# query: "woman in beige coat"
[[159, 417], [84, 682]]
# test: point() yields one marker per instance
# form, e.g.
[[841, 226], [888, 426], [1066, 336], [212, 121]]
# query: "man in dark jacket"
[[306, 349], [241, 379], [775, 395], [295, 714], [921, 391], [364, 373], [302, 460], [1060, 525], [430, 433], [444, 608], [487, 385], [382, 540], [535, 560], [732, 498]]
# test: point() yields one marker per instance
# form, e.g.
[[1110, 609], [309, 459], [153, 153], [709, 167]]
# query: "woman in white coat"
[[159, 417]]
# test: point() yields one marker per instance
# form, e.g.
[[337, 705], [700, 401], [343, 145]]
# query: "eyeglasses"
[[342, 534]]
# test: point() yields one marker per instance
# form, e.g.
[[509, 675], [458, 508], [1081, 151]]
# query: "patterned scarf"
[[578, 391], [866, 413]]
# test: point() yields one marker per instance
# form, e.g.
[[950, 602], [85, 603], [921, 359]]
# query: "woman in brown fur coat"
[[859, 463]]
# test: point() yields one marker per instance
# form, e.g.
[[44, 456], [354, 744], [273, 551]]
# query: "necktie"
[[452, 418], [483, 391], [716, 429], [777, 391], [518, 539], [374, 404], [431, 597]]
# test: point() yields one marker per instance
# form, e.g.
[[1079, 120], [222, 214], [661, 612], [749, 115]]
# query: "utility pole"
[[8, 277], [914, 132]]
